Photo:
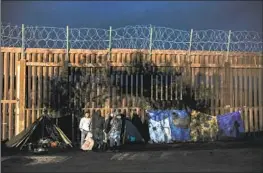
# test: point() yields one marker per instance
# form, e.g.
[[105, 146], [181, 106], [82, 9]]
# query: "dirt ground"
[[206, 157]]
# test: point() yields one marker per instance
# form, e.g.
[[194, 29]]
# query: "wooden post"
[[1, 85], [260, 94], [21, 85], [227, 85], [1, 80]]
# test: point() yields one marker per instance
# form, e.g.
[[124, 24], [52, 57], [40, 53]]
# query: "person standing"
[[106, 131], [115, 131], [97, 129], [85, 127]]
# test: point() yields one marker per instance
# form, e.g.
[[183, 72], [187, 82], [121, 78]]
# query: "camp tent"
[[41, 128], [132, 134]]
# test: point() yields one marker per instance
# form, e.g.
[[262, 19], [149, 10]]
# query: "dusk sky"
[[227, 15]]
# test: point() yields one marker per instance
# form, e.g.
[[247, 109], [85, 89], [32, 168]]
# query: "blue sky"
[[225, 15]]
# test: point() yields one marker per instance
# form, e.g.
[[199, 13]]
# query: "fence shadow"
[[78, 87]]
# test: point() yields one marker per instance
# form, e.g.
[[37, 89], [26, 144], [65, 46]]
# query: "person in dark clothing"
[[123, 119], [146, 133], [106, 129], [136, 121], [97, 129]]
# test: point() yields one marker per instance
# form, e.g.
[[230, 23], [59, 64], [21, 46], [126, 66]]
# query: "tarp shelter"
[[166, 126], [230, 124], [132, 134], [41, 128], [203, 127]]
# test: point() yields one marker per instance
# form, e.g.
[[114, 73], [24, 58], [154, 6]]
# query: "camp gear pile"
[[167, 126], [41, 134], [203, 127], [230, 124]]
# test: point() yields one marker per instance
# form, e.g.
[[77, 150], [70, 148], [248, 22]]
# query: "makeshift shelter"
[[159, 126], [132, 134], [166, 126], [179, 123], [203, 127], [230, 125], [42, 128], [137, 122]]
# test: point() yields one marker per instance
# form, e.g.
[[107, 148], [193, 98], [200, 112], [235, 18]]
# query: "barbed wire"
[[131, 37]]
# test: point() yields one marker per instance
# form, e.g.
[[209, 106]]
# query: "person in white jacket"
[[85, 126]]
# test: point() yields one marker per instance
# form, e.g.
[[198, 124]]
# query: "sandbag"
[[203, 127]]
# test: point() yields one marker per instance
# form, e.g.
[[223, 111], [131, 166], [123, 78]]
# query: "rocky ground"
[[206, 157]]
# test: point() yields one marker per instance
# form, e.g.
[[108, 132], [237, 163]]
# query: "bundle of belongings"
[[167, 126], [230, 125], [203, 127], [89, 143], [40, 136]]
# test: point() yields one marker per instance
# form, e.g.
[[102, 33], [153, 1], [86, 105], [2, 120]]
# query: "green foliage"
[[75, 94]]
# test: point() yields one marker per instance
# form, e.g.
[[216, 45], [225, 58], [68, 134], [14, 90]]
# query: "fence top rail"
[[104, 52]]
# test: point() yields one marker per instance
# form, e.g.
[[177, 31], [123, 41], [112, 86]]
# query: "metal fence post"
[[108, 69], [228, 45], [190, 43], [110, 42], [188, 59], [66, 68], [150, 55], [67, 56], [23, 42], [151, 40], [227, 101]]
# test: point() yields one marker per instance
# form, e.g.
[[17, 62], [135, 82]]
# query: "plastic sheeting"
[[203, 127], [166, 126], [230, 124]]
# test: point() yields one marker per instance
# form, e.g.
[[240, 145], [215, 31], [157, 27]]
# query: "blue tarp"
[[230, 124], [164, 127], [179, 133]]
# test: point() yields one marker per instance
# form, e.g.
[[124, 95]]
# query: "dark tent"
[[131, 133], [43, 127], [136, 121]]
